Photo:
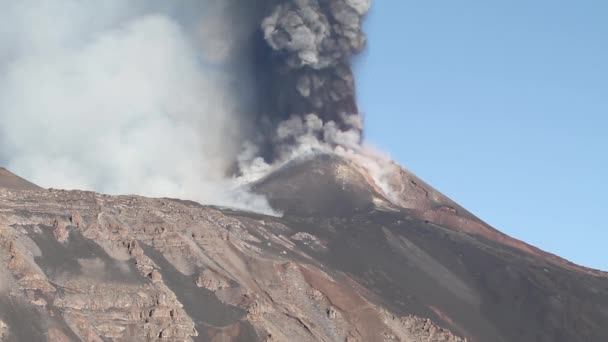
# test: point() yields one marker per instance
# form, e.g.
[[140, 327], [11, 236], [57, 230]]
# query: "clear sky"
[[502, 106]]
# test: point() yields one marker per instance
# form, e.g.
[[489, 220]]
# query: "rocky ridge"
[[92, 267], [346, 262]]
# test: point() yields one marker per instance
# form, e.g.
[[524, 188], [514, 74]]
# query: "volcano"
[[250, 105], [346, 261]]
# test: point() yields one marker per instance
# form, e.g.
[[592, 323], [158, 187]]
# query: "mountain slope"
[[345, 262], [9, 180], [435, 259]]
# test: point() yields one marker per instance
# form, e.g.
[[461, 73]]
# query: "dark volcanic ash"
[[308, 68], [301, 65]]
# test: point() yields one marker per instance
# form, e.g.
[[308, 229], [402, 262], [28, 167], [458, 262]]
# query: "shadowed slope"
[[325, 185]]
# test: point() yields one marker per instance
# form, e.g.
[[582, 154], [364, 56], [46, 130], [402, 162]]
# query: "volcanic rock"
[[346, 262]]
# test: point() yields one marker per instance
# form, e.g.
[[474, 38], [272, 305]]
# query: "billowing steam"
[[173, 98]]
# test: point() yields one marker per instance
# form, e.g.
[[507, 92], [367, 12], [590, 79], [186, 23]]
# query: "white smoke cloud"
[[138, 97], [118, 96]]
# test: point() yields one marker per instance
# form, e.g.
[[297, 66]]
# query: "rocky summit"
[[343, 263]]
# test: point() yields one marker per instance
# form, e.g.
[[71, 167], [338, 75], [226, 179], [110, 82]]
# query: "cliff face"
[[343, 264]]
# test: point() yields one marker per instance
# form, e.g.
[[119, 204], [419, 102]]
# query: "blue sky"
[[501, 105]]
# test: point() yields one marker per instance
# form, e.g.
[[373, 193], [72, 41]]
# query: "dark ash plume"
[[302, 56]]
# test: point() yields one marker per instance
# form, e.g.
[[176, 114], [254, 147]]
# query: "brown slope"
[[332, 186], [432, 258], [430, 205], [9, 180]]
